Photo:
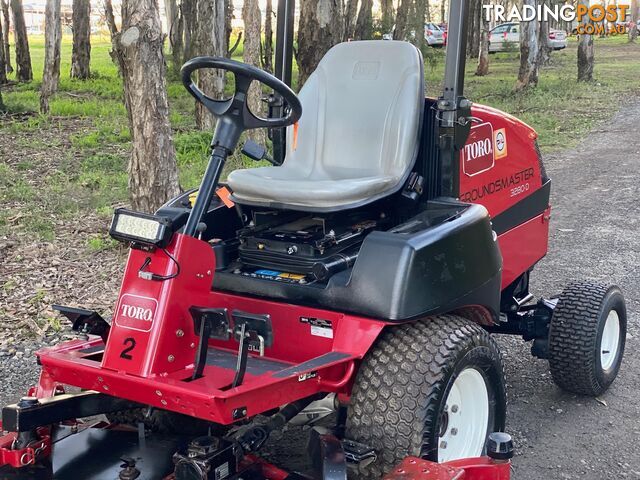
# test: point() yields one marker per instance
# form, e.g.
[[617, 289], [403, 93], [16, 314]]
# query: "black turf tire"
[[163, 421], [403, 383], [575, 335]]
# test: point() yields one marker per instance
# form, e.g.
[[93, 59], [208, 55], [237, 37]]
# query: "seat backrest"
[[362, 111]]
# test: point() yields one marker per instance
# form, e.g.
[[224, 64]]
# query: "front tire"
[[433, 388], [587, 337]]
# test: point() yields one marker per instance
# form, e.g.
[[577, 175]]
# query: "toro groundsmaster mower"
[[363, 272]]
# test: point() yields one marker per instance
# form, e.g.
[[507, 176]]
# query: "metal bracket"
[[251, 330], [47, 411], [328, 456], [208, 323], [85, 321]]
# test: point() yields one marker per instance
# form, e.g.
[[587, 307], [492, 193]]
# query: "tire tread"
[[399, 383]]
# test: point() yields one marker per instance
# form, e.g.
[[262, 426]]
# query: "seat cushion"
[[358, 137], [279, 186]]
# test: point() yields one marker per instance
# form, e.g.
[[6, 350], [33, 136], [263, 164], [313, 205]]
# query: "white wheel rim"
[[466, 417], [610, 343]]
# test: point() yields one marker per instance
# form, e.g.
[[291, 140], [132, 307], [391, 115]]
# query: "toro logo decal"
[[478, 154], [136, 312]]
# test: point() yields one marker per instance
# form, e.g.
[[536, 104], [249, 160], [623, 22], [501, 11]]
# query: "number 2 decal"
[[130, 344]]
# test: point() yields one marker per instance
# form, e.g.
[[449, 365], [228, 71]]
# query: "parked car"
[[557, 39], [443, 27], [507, 35], [434, 36]]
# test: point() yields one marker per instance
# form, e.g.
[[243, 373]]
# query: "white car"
[[507, 36], [433, 35], [557, 39]]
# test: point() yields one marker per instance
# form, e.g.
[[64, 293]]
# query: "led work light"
[[140, 228]]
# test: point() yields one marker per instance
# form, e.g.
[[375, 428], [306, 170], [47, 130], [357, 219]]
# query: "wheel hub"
[[464, 422], [610, 343]]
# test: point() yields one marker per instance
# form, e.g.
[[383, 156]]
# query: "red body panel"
[[515, 165], [500, 179], [523, 246], [146, 374], [482, 468], [148, 344]]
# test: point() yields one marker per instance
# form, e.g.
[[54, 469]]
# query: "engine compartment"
[[391, 260]]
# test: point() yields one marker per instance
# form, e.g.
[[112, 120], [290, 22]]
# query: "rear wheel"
[[433, 388], [587, 337]]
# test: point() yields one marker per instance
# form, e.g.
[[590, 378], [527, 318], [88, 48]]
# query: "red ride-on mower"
[[363, 272]]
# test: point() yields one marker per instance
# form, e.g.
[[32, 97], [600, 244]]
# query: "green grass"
[[91, 175]]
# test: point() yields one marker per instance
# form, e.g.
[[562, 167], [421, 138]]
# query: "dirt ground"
[[595, 235]]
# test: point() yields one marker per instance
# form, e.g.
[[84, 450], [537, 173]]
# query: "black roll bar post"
[[283, 70], [454, 110]]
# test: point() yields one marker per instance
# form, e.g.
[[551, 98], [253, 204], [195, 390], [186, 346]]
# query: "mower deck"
[[267, 383]]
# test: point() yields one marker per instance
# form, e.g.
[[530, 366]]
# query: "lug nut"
[[454, 431], [443, 444], [454, 408], [179, 333]]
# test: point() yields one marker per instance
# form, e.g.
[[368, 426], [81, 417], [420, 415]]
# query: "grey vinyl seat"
[[358, 137]]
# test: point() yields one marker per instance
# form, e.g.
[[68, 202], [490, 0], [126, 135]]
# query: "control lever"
[[257, 152]]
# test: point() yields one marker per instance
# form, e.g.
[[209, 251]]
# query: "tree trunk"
[[153, 174], [321, 27], [268, 37], [115, 52], [443, 16], [350, 16], [176, 40], [209, 39], [189, 13], [251, 55], [23, 57], [81, 53], [474, 31], [544, 50], [477, 28], [402, 14], [111, 21], [586, 54], [3, 64], [228, 25], [420, 13], [528, 73], [364, 23], [483, 57], [387, 15], [5, 37], [2, 107], [171, 14], [52, 39], [633, 30]]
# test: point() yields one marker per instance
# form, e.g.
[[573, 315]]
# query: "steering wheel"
[[234, 114]]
